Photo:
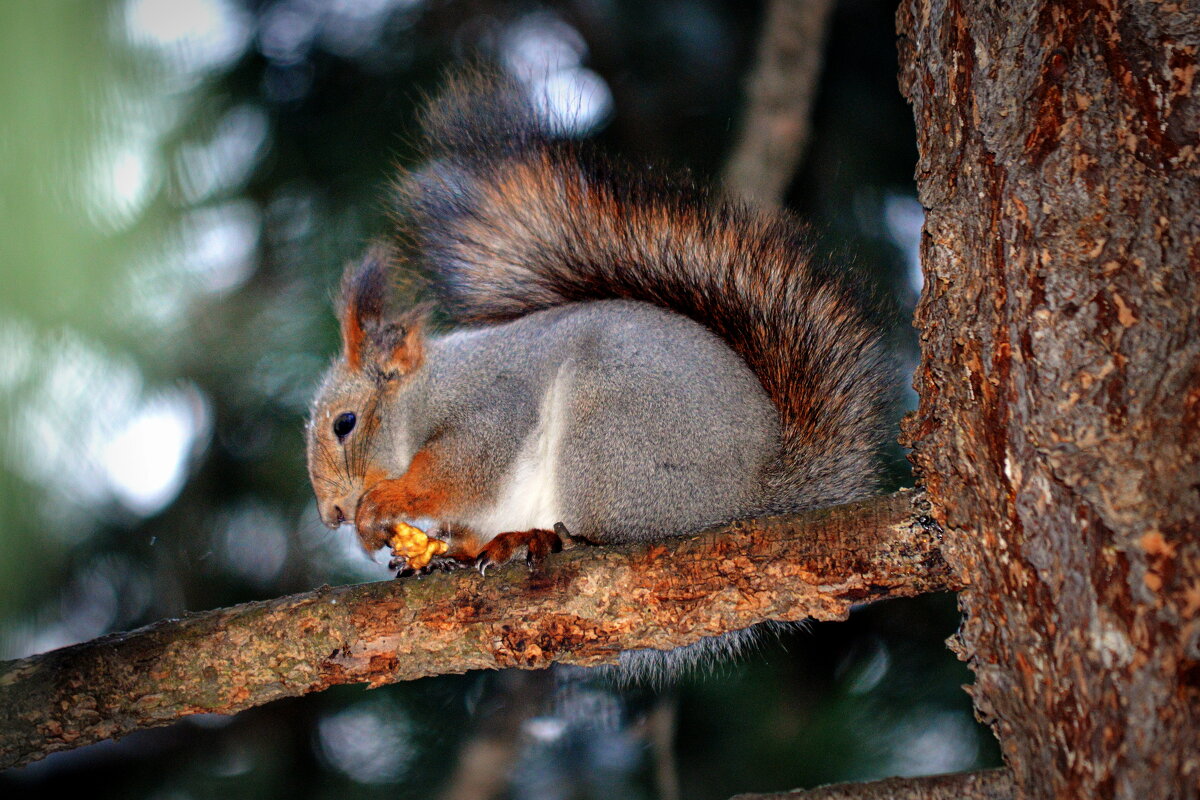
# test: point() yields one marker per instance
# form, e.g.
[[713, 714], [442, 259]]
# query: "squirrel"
[[634, 357]]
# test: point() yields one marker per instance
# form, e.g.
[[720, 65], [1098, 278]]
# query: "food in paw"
[[412, 543]]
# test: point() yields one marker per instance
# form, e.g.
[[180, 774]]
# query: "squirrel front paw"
[[415, 552], [373, 522], [413, 544], [412, 549], [536, 544]]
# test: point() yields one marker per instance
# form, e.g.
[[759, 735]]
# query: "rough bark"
[[775, 125], [581, 607], [991, 784], [1058, 432]]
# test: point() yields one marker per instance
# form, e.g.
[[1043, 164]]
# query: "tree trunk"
[[1058, 432]]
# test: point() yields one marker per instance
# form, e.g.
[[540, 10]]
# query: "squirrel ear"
[[398, 347], [361, 302], [393, 347]]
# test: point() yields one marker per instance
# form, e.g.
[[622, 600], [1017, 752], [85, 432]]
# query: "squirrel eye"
[[344, 424]]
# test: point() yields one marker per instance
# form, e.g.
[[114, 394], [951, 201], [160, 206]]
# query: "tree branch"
[[582, 607], [989, 784], [775, 125]]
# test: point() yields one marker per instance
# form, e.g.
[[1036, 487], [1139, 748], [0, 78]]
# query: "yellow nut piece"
[[413, 544]]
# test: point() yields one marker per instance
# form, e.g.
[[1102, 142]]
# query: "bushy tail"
[[510, 219]]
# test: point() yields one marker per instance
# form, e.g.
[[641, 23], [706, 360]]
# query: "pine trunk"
[[1058, 432]]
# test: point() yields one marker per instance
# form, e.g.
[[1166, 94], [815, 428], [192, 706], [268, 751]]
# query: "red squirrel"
[[633, 357]]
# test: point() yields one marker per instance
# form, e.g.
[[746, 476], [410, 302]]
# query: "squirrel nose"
[[332, 514]]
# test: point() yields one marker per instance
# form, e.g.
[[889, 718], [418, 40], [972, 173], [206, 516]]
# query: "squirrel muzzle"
[[336, 511]]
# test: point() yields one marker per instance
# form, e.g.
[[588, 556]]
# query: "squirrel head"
[[355, 437]]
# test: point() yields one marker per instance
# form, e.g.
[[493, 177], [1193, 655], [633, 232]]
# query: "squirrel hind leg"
[[535, 543]]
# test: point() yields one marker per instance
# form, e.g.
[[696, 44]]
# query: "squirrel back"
[[510, 218]]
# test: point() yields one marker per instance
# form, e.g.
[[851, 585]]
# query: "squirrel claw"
[[536, 544], [436, 564], [447, 564], [403, 570]]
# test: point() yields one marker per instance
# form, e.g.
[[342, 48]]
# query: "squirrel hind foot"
[[536, 543]]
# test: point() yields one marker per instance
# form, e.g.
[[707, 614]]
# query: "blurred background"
[[181, 182]]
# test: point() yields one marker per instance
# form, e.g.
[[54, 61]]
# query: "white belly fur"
[[529, 495]]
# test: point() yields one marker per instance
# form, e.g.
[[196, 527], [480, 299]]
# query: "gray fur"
[[665, 429]]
